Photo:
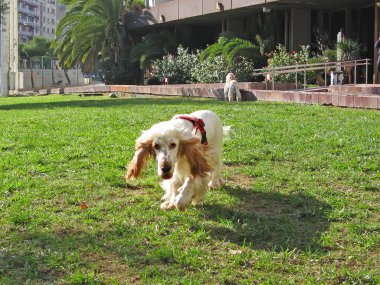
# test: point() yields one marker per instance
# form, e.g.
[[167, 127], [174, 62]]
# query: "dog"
[[231, 88], [188, 153]]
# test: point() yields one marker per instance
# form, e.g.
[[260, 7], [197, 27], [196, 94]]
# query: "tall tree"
[[90, 30]]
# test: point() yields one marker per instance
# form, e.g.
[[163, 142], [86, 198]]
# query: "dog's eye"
[[173, 145], [157, 146]]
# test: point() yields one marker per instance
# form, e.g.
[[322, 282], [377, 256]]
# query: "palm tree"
[[153, 46], [350, 50], [91, 29], [229, 47]]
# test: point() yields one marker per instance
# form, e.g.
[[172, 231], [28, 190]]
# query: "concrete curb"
[[341, 96]]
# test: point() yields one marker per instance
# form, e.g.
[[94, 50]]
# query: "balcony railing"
[[34, 3], [28, 11], [26, 33], [28, 23]]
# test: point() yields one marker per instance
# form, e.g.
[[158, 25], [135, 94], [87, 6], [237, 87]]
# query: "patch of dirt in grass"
[[250, 200], [109, 266], [135, 189], [241, 180], [238, 179]]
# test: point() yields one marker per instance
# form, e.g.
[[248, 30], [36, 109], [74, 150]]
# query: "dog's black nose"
[[165, 169]]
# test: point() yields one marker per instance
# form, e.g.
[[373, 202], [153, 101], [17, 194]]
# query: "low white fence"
[[42, 78]]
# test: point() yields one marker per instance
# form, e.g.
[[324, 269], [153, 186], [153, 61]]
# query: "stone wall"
[[50, 78], [251, 91]]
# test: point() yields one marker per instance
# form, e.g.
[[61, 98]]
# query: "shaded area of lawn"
[[103, 103], [269, 221]]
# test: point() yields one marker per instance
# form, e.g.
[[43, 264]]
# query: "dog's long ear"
[[194, 153], [144, 150]]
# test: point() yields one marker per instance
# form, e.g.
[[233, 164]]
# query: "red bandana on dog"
[[198, 124]]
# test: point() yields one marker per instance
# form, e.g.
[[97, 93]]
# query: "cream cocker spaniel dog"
[[188, 152], [231, 88]]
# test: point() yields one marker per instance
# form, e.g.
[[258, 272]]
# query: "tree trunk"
[[52, 73], [67, 76], [31, 73]]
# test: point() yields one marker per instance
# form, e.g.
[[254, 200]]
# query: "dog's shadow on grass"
[[268, 221]]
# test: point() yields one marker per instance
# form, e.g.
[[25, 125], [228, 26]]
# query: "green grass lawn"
[[301, 204]]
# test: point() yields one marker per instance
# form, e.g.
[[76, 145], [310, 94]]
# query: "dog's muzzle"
[[166, 171]]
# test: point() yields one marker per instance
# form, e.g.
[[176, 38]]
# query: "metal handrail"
[[276, 70]]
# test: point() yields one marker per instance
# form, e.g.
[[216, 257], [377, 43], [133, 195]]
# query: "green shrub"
[[216, 69], [186, 67], [329, 55], [280, 57], [350, 49], [178, 68]]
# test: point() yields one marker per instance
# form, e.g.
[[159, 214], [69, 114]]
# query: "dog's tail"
[[226, 132]]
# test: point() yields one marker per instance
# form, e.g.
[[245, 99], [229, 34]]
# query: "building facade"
[[39, 18], [198, 23], [28, 19], [51, 13]]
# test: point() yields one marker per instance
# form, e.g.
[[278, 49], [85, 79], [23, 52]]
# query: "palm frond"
[[89, 28], [153, 46], [229, 47]]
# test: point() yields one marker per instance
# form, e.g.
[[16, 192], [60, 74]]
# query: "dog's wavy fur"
[[188, 167], [144, 150], [231, 88], [195, 156]]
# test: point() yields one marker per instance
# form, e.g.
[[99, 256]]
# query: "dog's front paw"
[[214, 184], [182, 202], [166, 197], [167, 206]]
